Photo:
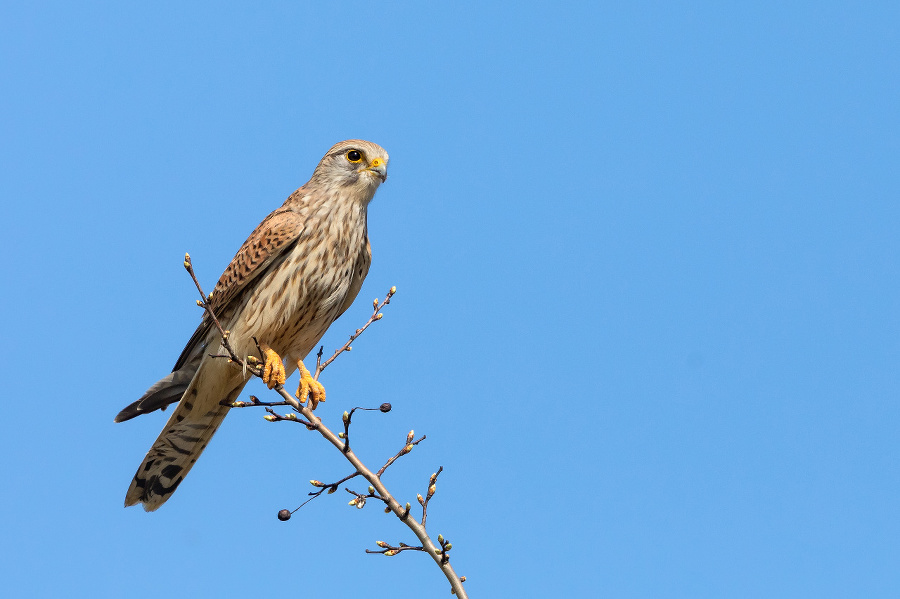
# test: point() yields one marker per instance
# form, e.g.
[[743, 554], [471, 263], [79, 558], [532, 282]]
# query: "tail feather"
[[165, 391], [185, 436]]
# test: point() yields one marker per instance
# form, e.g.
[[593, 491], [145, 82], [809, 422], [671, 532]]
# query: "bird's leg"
[[309, 387], [273, 370]]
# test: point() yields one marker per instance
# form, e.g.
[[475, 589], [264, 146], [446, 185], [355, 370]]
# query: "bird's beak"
[[379, 169]]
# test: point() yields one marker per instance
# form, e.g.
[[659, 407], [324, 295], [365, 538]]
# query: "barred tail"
[[185, 436]]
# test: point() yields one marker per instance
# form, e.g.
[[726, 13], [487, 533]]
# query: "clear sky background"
[[648, 312]]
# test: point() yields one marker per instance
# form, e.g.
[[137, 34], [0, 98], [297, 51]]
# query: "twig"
[[254, 402], [203, 302], [406, 449], [323, 487], [390, 550], [385, 407], [376, 315], [429, 494]]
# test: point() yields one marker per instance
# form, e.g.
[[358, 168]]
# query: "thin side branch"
[[376, 315], [203, 302]]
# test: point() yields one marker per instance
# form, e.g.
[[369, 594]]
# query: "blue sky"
[[648, 311]]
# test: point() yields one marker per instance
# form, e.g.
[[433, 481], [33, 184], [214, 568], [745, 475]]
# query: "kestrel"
[[296, 273]]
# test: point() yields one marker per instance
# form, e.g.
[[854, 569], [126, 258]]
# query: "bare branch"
[[203, 302], [376, 315], [437, 553], [341, 441]]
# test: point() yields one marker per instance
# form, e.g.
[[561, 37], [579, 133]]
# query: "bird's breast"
[[299, 297]]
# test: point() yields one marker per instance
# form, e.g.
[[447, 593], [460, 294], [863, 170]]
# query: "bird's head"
[[353, 163]]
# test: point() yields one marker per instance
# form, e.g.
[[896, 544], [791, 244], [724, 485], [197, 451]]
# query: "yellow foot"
[[273, 371], [309, 387]]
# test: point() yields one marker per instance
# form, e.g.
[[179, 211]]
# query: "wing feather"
[[265, 246]]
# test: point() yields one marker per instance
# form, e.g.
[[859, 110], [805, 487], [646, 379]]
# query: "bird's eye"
[[354, 156]]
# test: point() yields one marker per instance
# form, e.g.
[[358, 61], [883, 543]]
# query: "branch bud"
[[387, 510], [409, 437], [382, 544], [346, 417], [441, 539], [421, 499], [187, 260], [380, 316], [270, 418], [341, 435], [390, 553], [448, 546], [316, 483], [371, 490], [393, 290], [375, 303], [199, 303], [352, 501], [430, 491]]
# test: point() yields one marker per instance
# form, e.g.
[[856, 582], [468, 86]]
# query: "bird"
[[296, 273]]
